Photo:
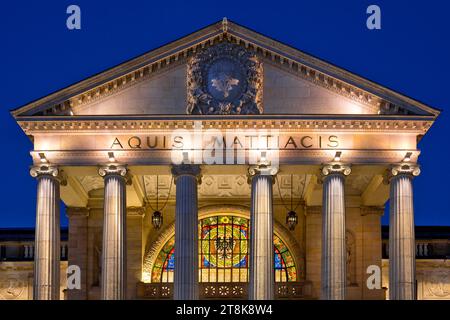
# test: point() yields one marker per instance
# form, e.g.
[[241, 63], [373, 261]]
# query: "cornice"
[[353, 123], [306, 66]]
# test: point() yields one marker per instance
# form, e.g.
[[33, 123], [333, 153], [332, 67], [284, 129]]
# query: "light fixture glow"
[[111, 157], [263, 156], [42, 157], [185, 157], [157, 220], [291, 220], [407, 157], [337, 156]]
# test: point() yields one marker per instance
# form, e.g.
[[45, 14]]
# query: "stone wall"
[[16, 280]]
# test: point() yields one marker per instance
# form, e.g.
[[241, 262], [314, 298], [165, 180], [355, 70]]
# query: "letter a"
[[74, 20], [374, 20], [374, 280], [73, 277]]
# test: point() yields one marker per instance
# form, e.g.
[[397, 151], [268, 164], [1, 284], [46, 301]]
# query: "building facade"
[[225, 164], [432, 274]]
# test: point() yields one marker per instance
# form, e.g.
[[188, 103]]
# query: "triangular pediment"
[[158, 82]]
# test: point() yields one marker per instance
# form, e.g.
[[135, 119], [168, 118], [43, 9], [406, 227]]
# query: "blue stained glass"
[[277, 259], [171, 261], [242, 263], [215, 228]]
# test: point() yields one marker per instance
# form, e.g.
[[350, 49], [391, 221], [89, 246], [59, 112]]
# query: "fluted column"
[[114, 263], [261, 286], [186, 232], [402, 253], [333, 280], [47, 238]]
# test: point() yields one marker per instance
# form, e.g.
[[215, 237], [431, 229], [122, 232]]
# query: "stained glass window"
[[223, 253]]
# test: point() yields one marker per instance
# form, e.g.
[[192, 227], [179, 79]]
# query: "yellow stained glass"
[[224, 253]]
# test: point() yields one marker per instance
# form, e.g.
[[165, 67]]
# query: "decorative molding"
[[12, 287], [186, 169], [144, 123], [435, 284], [336, 168], [224, 79], [264, 168], [403, 168], [115, 169], [49, 170], [224, 185], [407, 168]]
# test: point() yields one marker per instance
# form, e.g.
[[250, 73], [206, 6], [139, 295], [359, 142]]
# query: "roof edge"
[[223, 27]]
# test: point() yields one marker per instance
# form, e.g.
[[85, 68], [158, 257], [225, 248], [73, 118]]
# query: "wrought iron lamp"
[[291, 217], [157, 216], [157, 219]]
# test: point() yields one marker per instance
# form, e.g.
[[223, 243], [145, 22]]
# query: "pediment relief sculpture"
[[224, 79]]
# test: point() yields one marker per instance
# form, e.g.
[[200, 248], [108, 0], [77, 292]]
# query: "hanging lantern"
[[291, 220], [157, 219]]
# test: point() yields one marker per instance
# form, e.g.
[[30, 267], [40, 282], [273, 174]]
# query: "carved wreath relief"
[[11, 288], [224, 79]]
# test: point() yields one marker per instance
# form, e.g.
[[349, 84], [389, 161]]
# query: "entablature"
[[418, 124]]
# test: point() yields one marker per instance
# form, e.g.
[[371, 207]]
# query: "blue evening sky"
[[39, 55]]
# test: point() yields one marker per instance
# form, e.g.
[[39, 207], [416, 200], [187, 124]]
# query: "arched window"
[[224, 253]]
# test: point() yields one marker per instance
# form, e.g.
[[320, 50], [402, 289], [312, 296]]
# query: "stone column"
[[186, 232], [78, 244], [402, 253], [114, 263], [47, 239], [261, 286], [333, 263]]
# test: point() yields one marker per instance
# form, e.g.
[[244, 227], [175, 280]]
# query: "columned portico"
[[47, 240], [186, 232], [261, 286], [114, 263], [333, 231], [218, 97], [402, 249]]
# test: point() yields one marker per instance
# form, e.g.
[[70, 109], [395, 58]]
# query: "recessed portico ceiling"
[[299, 63]]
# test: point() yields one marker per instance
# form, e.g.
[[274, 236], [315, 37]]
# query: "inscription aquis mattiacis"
[[242, 141]]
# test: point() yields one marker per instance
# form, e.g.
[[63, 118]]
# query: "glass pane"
[[223, 253]]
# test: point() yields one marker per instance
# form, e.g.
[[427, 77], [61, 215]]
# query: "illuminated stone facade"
[[226, 123]]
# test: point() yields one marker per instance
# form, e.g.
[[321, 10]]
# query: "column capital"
[[117, 169], [335, 168], [186, 170], [48, 170], [264, 168], [402, 168]]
